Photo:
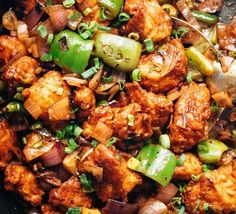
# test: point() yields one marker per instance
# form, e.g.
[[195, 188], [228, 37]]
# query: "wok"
[[9, 203]]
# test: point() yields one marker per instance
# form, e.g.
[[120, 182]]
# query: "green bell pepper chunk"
[[211, 150], [70, 51], [155, 162], [118, 52], [199, 61], [112, 7], [205, 17]]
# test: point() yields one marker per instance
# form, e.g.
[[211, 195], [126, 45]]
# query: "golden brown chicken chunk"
[[19, 179], [190, 166], [217, 188], [23, 71], [48, 98], [7, 141], [84, 98], [69, 194], [149, 20], [191, 113], [9, 47], [117, 180], [164, 69], [157, 106], [125, 123]]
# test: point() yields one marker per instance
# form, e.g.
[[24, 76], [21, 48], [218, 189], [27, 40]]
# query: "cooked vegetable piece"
[[112, 7], [211, 150], [118, 52], [155, 162], [205, 17], [70, 51]]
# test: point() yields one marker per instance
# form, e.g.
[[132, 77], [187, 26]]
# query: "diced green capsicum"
[[155, 162], [205, 17], [112, 7], [199, 61], [70, 51], [211, 150], [117, 51]]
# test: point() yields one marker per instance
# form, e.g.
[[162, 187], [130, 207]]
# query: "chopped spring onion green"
[[97, 63], [164, 141], [124, 17], [102, 103], [37, 125], [189, 77], [19, 89], [181, 160], [107, 79], [215, 107], [42, 31], [86, 34], [74, 210], [206, 167], [134, 36], [75, 15], [121, 84], [13, 107], [77, 131], [86, 184], [206, 206], [24, 141], [111, 141], [104, 28], [46, 58], [94, 143], [68, 3], [72, 146], [149, 45], [87, 11], [181, 210], [50, 38], [195, 177], [182, 188], [18, 96], [82, 27], [60, 134], [103, 16], [48, 3], [136, 75], [89, 73], [131, 120]]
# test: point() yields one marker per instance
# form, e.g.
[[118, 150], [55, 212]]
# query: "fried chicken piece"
[[7, 141], [19, 179], [149, 20], [84, 98], [165, 69], [117, 180], [69, 194], [9, 47], [117, 121], [217, 188], [191, 166], [49, 209], [157, 106], [48, 98], [191, 113], [23, 71]]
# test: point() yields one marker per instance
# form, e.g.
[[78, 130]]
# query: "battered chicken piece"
[[19, 179], [164, 69], [48, 98], [191, 166], [69, 194], [23, 71], [9, 47], [84, 98], [117, 121], [7, 141], [217, 188], [157, 106], [117, 180], [149, 20], [191, 113], [48, 209]]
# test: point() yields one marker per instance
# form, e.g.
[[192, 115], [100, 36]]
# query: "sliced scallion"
[[46, 58], [136, 75], [121, 84], [97, 63], [107, 79], [102, 103], [103, 16], [149, 45], [124, 17], [164, 141], [42, 31], [111, 141], [89, 73], [74, 210], [77, 131], [68, 3], [131, 120], [86, 184], [189, 77], [195, 177], [94, 143], [87, 11], [181, 160], [50, 38], [104, 28]]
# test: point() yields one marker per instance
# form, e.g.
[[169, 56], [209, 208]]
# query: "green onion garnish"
[[102, 103], [86, 34], [77, 131], [206, 206], [164, 141], [195, 177], [131, 120], [68, 3], [189, 77], [37, 125], [86, 184], [107, 79], [89, 73], [111, 141], [124, 17], [182, 210], [136, 75], [97, 63], [206, 167], [60, 134], [18, 96], [74, 210], [181, 160], [46, 58], [104, 28], [50, 38], [103, 16], [134, 36], [75, 15], [82, 27], [94, 143], [42, 31], [121, 84], [215, 107], [87, 11], [149, 45], [72, 146]]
